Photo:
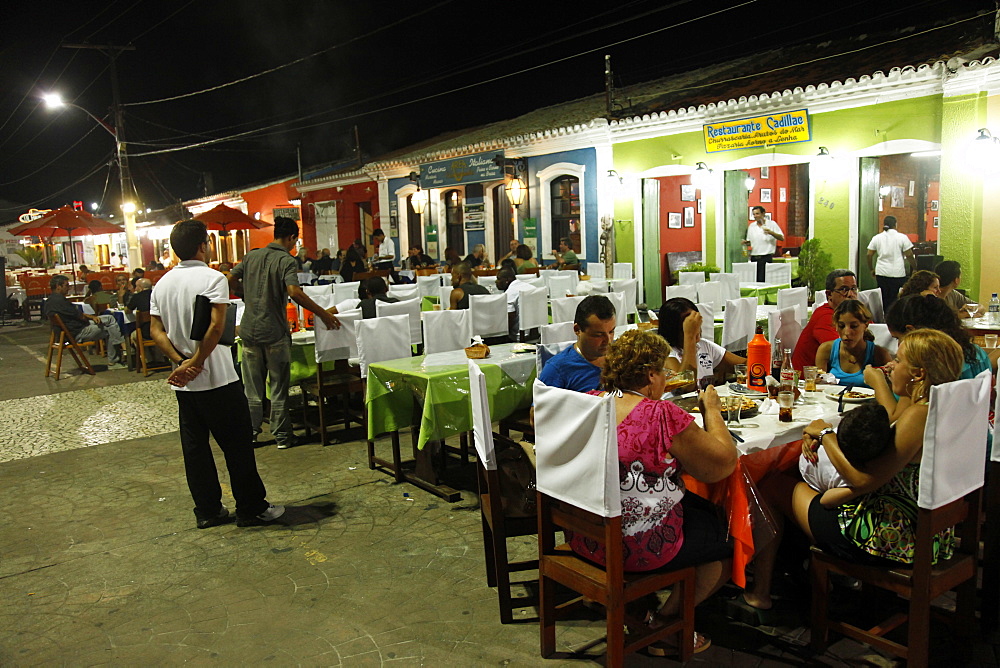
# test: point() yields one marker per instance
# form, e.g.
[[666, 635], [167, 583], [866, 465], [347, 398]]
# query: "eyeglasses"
[[846, 289]]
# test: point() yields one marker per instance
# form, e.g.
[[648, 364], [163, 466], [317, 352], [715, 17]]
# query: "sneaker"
[[222, 518], [291, 442], [270, 514], [117, 365]]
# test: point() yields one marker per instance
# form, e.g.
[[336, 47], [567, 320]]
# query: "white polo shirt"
[[387, 248], [173, 301], [890, 246], [762, 243]]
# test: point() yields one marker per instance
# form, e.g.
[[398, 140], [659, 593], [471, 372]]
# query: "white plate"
[[834, 393]]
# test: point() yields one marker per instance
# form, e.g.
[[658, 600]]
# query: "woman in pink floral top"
[[662, 527]]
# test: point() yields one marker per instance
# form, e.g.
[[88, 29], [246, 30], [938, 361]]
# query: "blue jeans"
[[269, 363]]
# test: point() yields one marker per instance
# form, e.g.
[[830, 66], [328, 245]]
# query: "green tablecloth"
[[794, 261], [766, 294], [405, 392]]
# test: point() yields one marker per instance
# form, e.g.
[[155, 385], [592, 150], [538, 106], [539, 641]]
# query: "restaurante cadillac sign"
[[788, 127]]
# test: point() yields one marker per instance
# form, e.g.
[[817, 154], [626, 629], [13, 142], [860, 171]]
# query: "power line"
[[107, 162], [58, 157], [164, 20]]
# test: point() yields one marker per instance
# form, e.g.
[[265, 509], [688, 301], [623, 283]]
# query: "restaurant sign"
[[474, 168], [787, 127], [287, 212]]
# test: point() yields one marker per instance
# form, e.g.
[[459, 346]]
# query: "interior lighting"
[[702, 177], [516, 191], [612, 174], [750, 182], [983, 153]]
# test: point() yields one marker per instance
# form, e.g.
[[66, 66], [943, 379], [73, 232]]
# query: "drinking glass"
[[811, 373], [741, 373], [991, 340], [785, 402]]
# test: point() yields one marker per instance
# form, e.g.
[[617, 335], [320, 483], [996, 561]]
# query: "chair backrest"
[[559, 285], [106, 278], [558, 332], [873, 300], [596, 270], [621, 270], [797, 297], [628, 287], [58, 325], [784, 324], [428, 285], [533, 281], [617, 300], [564, 308], [707, 320], [488, 314], [410, 308], [404, 292], [690, 277], [337, 344], [739, 323], [482, 424], [314, 291], [305, 278], [532, 308], [686, 291], [547, 274], [444, 295], [34, 286], [778, 273], [342, 291], [488, 282], [577, 449], [746, 272], [712, 293], [381, 339], [883, 338], [731, 281], [446, 330], [819, 297], [546, 351], [957, 420]]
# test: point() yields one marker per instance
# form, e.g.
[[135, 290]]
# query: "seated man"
[[579, 366], [140, 303], [950, 275], [477, 257], [324, 265], [565, 257], [465, 284], [370, 291], [841, 284], [84, 327]]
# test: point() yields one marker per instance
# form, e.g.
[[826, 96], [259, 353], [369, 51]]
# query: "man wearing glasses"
[[841, 284]]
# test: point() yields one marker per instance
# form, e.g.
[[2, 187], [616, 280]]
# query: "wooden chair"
[[67, 341], [334, 347], [484, 272], [949, 496], [141, 343], [37, 289], [426, 271], [371, 274], [577, 435], [497, 526]]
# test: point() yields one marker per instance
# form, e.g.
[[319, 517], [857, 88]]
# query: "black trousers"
[[223, 413], [762, 261], [890, 287]]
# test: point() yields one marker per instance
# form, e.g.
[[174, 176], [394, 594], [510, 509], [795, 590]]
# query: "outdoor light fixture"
[[93, 206], [612, 174], [824, 152], [418, 200], [702, 177], [128, 207], [983, 153], [516, 190], [750, 182]]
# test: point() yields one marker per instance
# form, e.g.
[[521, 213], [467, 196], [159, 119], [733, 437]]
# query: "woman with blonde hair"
[[847, 356], [662, 526], [873, 520]]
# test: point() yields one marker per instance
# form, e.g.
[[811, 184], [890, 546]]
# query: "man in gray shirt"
[[267, 277]]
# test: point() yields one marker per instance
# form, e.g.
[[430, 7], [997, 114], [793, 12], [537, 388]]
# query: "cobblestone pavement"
[[100, 561]]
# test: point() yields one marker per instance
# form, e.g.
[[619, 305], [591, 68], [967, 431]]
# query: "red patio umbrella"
[[225, 218], [66, 220]]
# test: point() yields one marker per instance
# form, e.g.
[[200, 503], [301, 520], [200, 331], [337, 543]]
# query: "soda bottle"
[[758, 361], [776, 358], [787, 380], [994, 318]]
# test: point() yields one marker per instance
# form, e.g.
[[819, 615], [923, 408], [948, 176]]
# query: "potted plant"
[[705, 269], [814, 265]]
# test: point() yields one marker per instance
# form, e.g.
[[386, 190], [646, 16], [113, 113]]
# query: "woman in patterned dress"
[[662, 526]]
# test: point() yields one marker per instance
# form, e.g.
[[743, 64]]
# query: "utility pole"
[[128, 204], [609, 86]]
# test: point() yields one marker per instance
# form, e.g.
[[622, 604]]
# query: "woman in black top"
[[354, 263]]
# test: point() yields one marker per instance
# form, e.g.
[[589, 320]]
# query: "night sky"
[[378, 60]]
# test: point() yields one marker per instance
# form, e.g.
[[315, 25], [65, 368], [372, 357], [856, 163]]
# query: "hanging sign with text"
[[787, 127], [474, 168]]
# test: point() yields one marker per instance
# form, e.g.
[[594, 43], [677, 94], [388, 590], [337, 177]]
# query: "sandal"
[[701, 643]]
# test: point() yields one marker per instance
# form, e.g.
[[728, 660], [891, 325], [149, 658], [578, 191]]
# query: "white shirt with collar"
[[890, 246], [387, 248], [762, 243]]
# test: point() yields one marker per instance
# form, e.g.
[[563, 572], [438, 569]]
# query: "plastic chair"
[[380, 340], [558, 332], [883, 338], [819, 298], [428, 285], [488, 282], [444, 296], [564, 308], [949, 496], [621, 270], [686, 291], [344, 291], [707, 320], [560, 285], [873, 300], [739, 323], [690, 277], [577, 481], [497, 525], [778, 273], [532, 308], [797, 297], [446, 330], [629, 287], [617, 300], [411, 309], [746, 272], [488, 314]]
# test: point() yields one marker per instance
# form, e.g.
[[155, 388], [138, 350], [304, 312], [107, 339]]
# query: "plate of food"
[[854, 396], [749, 407]]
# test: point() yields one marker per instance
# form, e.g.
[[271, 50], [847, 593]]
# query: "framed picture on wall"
[[674, 221], [687, 192], [701, 206], [936, 219], [935, 205], [765, 195], [897, 197], [765, 172], [689, 216], [782, 195], [750, 215]]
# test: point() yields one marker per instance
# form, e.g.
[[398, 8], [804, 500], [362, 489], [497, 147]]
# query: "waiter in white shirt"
[[385, 253], [894, 250], [762, 237]]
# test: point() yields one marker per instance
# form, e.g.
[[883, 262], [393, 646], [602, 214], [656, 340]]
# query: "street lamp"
[[55, 101]]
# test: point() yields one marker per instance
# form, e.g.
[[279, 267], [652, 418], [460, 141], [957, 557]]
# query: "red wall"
[[674, 240], [777, 179], [933, 195], [263, 200], [348, 219]]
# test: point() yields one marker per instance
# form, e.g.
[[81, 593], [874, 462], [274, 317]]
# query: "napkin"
[[768, 407]]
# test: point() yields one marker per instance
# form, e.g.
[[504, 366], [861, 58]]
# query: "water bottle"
[[994, 316]]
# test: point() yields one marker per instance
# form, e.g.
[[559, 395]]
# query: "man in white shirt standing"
[[894, 251], [385, 253], [763, 236], [209, 394]]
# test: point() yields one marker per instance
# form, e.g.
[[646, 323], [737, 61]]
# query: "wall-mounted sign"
[[287, 212], [474, 168], [32, 215], [787, 127], [475, 216]]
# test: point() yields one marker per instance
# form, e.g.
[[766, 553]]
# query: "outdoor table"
[[979, 328], [408, 273], [766, 293]]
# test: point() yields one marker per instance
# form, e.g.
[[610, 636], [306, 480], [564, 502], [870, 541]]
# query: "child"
[[863, 434]]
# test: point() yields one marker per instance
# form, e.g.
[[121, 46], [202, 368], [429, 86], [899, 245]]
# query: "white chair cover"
[[690, 277], [784, 325], [739, 323], [342, 291], [621, 329], [707, 321], [546, 351], [621, 270], [797, 297], [488, 314], [732, 283], [446, 330], [402, 292], [533, 281], [410, 308], [533, 308], [305, 278], [577, 449], [547, 274], [686, 291], [482, 424], [628, 287], [746, 272], [957, 420], [428, 286], [883, 338], [819, 298], [873, 300], [778, 273], [618, 301], [488, 282], [337, 344], [444, 295], [596, 270], [712, 293], [560, 285], [381, 339], [564, 309], [558, 332], [314, 291], [241, 306]]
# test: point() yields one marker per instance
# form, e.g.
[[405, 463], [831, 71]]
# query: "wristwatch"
[[828, 430]]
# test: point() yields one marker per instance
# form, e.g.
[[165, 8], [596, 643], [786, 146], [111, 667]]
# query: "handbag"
[[203, 318]]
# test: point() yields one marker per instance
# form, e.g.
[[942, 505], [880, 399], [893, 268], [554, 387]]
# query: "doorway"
[[455, 235], [503, 222]]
